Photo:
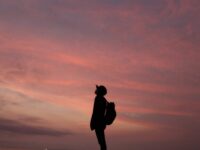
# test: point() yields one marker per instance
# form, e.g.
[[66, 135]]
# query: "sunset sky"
[[54, 52]]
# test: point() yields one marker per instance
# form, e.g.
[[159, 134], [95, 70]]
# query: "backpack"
[[110, 113]]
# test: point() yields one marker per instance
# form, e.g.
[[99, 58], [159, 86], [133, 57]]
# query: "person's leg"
[[101, 138]]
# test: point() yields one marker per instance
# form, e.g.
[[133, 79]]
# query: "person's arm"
[[92, 121]]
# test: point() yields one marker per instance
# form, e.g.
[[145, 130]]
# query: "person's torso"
[[99, 108]]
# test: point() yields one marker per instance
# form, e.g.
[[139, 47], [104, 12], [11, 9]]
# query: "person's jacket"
[[98, 115]]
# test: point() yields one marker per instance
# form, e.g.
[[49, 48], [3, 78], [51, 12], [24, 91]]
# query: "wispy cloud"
[[15, 127]]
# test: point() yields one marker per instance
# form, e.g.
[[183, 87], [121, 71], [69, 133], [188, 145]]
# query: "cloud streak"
[[15, 127]]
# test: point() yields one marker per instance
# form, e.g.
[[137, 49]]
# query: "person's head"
[[101, 90]]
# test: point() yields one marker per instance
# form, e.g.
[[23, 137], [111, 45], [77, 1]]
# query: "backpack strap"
[[107, 102]]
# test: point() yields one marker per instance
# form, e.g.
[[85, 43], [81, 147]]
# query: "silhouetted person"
[[98, 116]]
